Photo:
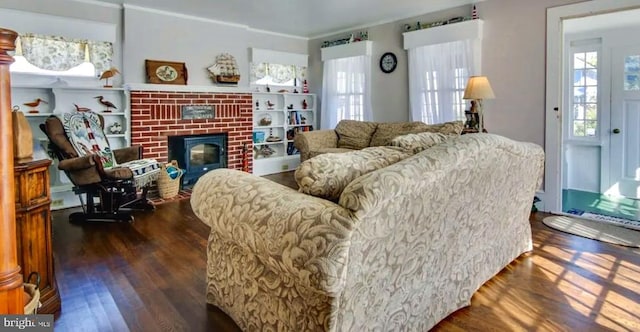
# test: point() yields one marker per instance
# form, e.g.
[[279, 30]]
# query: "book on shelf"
[[291, 149]]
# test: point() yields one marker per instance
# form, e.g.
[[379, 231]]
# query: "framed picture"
[[166, 72]]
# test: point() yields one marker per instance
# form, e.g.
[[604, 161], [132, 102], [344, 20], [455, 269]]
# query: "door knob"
[[616, 131]]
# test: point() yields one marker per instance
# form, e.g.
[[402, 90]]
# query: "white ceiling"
[[304, 18]]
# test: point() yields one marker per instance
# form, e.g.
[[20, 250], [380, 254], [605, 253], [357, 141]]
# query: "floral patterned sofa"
[[352, 135], [401, 248]]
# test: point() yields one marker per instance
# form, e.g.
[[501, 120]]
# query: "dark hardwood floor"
[[150, 276]]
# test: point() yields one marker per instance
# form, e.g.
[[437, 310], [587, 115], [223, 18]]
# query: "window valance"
[[60, 54], [444, 34], [347, 50]]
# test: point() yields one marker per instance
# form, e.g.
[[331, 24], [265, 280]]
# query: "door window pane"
[[585, 94], [578, 128], [632, 73], [578, 112], [591, 60], [592, 112]]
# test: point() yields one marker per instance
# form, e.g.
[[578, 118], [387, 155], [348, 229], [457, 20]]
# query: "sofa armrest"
[[295, 235], [127, 154], [308, 141]]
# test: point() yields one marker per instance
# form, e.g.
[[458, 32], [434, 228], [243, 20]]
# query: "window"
[[632, 73], [277, 68], [57, 56], [437, 78], [584, 94], [346, 89], [277, 74]]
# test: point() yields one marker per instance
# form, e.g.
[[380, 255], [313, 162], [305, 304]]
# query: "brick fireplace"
[[156, 115]]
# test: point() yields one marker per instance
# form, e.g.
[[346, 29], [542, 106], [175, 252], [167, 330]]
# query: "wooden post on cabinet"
[[11, 289]]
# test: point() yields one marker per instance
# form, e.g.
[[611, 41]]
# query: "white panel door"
[[625, 123]]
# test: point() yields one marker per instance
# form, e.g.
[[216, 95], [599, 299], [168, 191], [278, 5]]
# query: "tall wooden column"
[[11, 289]]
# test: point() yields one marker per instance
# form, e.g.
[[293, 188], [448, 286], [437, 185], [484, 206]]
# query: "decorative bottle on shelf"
[[304, 104], [305, 87]]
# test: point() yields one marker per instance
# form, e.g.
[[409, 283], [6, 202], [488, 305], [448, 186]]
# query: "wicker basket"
[[168, 187], [32, 295]]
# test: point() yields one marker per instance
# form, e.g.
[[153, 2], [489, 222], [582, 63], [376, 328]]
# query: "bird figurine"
[[270, 104], [106, 103], [35, 104], [107, 74], [81, 109]]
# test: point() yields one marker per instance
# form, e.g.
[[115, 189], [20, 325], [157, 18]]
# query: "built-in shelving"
[[60, 99], [288, 114]]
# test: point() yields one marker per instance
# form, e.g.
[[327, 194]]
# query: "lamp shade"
[[478, 87]]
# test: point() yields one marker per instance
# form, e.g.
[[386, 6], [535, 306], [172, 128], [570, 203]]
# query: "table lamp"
[[478, 89]]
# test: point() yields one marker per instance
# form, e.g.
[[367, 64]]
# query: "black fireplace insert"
[[198, 154]]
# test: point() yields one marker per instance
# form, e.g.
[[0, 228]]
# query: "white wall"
[[161, 36], [513, 57]]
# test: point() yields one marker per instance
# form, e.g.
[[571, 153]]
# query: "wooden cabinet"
[[33, 228]]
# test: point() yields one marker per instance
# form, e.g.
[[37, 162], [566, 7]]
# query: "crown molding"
[[207, 20], [100, 3]]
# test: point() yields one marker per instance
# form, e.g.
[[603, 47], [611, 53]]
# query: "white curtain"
[[346, 90], [437, 77]]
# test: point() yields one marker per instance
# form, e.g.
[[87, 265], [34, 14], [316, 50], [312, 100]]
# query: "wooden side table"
[[33, 228]]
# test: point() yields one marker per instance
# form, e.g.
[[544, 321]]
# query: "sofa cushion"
[[327, 175], [418, 142], [313, 153], [447, 128], [354, 134], [385, 132]]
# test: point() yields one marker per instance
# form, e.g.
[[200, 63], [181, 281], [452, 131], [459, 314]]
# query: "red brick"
[[150, 101]]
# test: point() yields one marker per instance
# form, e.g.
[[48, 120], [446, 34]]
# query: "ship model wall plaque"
[[225, 70]]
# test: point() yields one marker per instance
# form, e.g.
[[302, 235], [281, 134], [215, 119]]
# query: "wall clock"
[[388, 62]]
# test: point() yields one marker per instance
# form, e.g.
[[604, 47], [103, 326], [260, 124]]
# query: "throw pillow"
[[418, 142], [387, 131], [85, 133], [354, 134], [327, 175]]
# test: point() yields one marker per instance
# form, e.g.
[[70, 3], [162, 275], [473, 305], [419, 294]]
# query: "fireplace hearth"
[[198, 154]]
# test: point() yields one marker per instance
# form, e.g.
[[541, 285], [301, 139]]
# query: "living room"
[[157, 280]]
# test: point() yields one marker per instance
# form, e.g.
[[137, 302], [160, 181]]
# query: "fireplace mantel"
[[185, 88]]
